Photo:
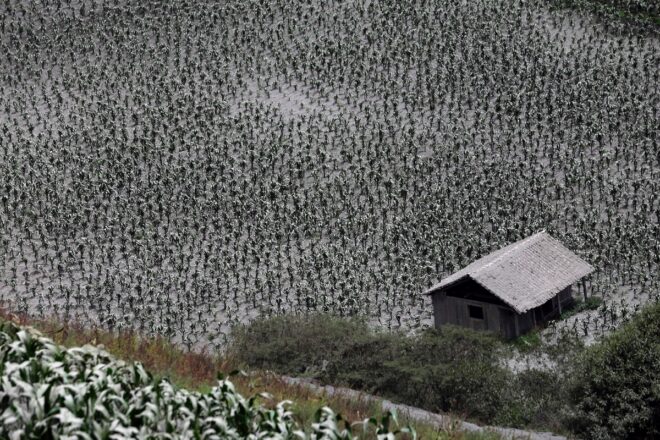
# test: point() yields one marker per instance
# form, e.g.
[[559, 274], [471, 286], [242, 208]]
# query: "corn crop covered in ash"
[[180, 167]]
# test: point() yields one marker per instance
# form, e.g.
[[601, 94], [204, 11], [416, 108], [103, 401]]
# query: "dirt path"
[[438, 420]]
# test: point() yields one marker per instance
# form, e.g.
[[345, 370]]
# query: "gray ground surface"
[[180, 169]]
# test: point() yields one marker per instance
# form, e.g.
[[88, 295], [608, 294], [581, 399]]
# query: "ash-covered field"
[[180, 167]]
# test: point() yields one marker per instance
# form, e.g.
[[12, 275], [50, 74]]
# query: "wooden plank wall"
[[451, 310]]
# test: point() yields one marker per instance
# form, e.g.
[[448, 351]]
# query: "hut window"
[[476, 312]]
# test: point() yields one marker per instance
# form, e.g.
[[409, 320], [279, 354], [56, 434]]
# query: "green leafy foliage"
[[537, 398], [616, 384], [453, 370], [47, 392], [301, 345], [580, 305], [528, 342]]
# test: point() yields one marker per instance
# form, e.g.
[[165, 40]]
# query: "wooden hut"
[[511, 290]]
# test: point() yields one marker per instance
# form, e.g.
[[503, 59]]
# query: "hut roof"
[[524, 274]]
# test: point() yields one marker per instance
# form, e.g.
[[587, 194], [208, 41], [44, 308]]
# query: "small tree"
[[616, 385]]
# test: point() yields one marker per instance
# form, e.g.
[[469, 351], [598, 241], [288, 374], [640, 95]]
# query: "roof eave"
[[554, 292], [498, 296], [438, 287], [433, 290]]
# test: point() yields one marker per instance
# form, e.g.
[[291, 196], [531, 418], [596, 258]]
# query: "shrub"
[[537, 400], [294, 344], [616, 384], [453, 369]]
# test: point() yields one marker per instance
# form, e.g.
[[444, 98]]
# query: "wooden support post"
[[516, 322], [559, 302], [584, 289]]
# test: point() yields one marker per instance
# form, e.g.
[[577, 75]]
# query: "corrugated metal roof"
[[524, 274]]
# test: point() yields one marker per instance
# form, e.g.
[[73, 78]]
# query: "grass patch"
[[580, 305], [528, 342], [191, 370]]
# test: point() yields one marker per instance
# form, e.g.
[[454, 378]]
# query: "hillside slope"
[[183, 375], [48, 391]]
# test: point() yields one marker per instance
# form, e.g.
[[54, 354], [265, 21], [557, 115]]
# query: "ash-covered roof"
[[524, 274]]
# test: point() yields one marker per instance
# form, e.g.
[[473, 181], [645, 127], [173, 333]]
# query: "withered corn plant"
[[177, 168]]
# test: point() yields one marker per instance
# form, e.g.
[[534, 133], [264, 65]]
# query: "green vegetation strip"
[[610, 390], [455, 370]]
